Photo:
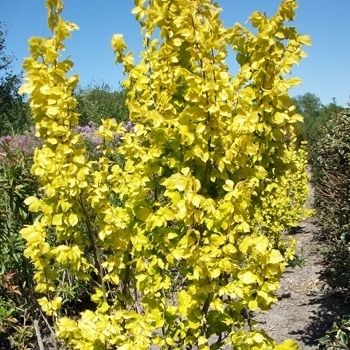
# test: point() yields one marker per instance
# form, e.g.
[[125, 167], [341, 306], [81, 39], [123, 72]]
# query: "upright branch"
[[183, 221]]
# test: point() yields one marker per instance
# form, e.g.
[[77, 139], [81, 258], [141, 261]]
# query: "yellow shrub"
[[184, 233]]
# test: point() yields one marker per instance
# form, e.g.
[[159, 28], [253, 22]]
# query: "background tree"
[[97, 102], [328, 111], [315, 114], [14, 112]]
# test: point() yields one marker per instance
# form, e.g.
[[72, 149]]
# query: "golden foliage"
[[185, 233]]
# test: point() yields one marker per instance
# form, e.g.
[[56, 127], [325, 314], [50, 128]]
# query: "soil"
[[307, 307]]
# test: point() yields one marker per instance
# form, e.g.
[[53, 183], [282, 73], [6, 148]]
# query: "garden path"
[[307, 307]]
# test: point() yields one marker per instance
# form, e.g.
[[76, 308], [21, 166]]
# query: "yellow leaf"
[[247, 277], [73, 219], [246, 243], [229, 185], [287, 345], [52, 111], [304, 39], [243, 227], [258, 338], [177, 42], [57, 220], [118, 43], [184, 302], [56, 303], [275, 257], [33, 203], [279, 118], [253, 305], [214, 273], [142, 213]]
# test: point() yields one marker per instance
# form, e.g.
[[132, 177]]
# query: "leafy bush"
[[14, 111], [315, 116], [16, 184], [98, 102], [176, 231], [17, 300], [331, 178], [331, 169], [338, 337]]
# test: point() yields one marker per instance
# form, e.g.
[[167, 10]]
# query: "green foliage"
[[14, 111], [330, 158], [315, 116], [98, 102], [5, 59], [16, 183], [7, 311], [309, 106], [331, 169], [16, 284], [338, 337]]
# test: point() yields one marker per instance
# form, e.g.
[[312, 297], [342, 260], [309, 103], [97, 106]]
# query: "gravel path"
[[307, 307]]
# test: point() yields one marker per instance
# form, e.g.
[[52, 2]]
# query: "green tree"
[[330, 110], [315, 114], [14, 112], [5, 59], [97, 102], [309, 106]]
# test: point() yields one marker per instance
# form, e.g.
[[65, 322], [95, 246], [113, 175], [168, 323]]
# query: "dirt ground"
[[307, 307]]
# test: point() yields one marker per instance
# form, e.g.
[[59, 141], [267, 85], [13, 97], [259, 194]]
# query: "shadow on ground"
[[332, 306], [329, 304]]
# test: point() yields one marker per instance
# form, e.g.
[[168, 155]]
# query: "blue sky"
[[326, 72]]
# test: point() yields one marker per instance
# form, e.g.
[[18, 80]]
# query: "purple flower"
[[24, 144], [88, 133], [5, 140], [18, 147], [129, 126]]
